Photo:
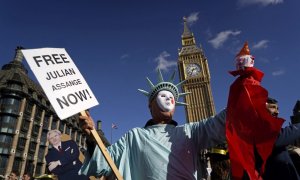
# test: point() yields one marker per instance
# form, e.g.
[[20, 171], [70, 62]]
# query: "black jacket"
[[69, 159], [280, 165]]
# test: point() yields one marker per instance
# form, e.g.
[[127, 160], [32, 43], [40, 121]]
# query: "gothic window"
[[5, 143], [38, 114], [67, 130], [28, 108], [22, 134], [10, 105], [43, 138], [7, 123], [29, 167], [41, 154], [38, 169], [21, 143], [3, 163], [32, 147], [73, 135], [25, 125], [46, 122], [61, 127], [17, 164], [15, 86], [53, 125], [35, 130]]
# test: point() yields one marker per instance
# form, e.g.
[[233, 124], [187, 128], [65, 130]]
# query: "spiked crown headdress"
[[164, 85]]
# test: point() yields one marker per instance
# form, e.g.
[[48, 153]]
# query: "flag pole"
[[104, 151]]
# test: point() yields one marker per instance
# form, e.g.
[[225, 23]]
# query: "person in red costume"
[[250, 129]]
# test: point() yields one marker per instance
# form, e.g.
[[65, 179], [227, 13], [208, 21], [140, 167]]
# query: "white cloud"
[[192, 18], [261, 44], [278, 73], [243, 3], [222, 37], [124, 56], [163, 63]]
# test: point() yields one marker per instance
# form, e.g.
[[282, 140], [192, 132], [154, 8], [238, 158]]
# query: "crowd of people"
[[15, 176]]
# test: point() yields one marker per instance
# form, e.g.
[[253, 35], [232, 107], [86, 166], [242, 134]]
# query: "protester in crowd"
[[250, 129], [279, 165], [26, 176], [13, 176], [162, 149]]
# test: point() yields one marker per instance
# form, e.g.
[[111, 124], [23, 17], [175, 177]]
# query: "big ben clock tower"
[[193, 68]]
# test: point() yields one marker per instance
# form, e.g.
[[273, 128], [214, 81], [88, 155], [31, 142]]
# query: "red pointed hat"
[[244, 58], [244, 51]]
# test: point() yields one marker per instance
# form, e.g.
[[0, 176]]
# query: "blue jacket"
[[280, 165], [69, 159]]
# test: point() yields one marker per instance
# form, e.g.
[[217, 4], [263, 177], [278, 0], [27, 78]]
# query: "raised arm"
[[288, 135], [210, 132]]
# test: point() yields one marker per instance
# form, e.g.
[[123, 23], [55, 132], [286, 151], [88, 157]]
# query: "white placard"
[[62, 82]]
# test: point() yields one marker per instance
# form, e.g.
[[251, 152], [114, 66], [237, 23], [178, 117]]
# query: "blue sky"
[[117, 44]]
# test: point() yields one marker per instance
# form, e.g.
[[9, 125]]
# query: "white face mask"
[[165, 101], [244, 61]]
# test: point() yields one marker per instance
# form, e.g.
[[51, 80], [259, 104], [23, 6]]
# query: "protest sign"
[[61, 80]]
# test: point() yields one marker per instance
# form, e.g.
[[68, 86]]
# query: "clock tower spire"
[[187, 36], [193, 67]]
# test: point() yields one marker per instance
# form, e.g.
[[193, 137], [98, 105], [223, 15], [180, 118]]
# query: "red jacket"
[[248, 123]]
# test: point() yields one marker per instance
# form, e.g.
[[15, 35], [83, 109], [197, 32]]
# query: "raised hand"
[[86, 123]]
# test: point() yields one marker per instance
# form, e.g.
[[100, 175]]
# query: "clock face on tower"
[[192, 70]]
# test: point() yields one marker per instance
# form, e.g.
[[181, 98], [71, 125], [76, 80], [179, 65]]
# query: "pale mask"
[[244, 61], [165, 101]]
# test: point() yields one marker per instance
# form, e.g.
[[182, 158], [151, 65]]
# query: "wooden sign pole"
[[104, 151]]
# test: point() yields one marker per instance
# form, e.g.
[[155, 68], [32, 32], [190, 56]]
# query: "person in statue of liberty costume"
[[162, 149]]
